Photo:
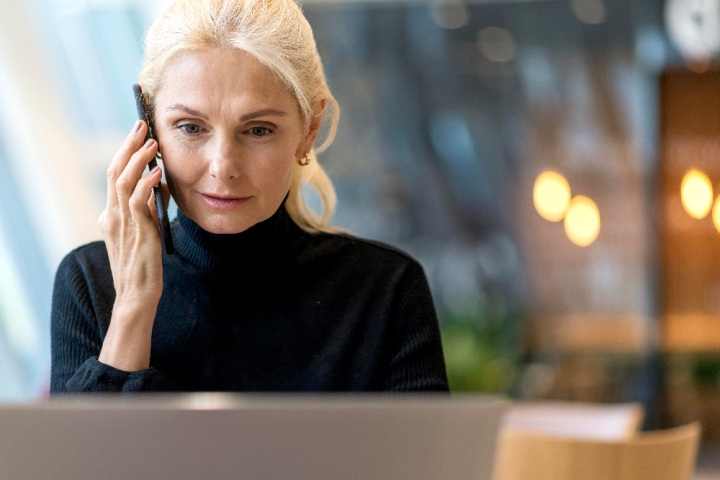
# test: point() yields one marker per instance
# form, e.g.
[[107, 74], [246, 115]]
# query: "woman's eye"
[[190, 128], [260, 131]]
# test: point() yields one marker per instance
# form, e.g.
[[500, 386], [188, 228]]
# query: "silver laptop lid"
[[214, 436]]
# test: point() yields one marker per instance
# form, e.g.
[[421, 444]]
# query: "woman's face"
[[229, 131]]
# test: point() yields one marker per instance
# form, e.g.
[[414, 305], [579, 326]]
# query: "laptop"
[[256, 436]]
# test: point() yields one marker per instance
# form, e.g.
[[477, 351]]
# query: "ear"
[[307, 143]]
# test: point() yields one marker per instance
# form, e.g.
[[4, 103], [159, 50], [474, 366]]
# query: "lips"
[[222, 197], [223, 202]]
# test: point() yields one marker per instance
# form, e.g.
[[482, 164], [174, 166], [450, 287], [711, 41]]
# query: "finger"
[[138, 202], [131, 144], [130, 177], [153, 207]]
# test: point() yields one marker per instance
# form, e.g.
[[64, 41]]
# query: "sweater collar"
[[266, 242]]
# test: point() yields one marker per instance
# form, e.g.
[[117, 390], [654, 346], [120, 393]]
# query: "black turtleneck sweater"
[[273, 308]]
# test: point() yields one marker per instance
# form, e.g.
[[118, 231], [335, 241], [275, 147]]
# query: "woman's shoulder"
[[92, 255], [86, 267], [360, 253], [84, 279]]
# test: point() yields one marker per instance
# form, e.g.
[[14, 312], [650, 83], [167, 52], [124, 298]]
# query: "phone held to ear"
[[143, 114]]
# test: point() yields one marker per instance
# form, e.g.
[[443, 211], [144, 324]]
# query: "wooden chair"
[[576, 420], [661, 455]]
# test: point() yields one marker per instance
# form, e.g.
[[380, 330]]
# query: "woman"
[[261, 294]]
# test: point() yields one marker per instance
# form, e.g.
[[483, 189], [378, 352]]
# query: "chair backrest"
[[661, 455], [606, 422]]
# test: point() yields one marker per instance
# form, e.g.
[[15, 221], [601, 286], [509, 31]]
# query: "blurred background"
[[553, 164]]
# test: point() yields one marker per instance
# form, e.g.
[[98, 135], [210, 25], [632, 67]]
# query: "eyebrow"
[[247, 116], [189, 110], [262, 113]]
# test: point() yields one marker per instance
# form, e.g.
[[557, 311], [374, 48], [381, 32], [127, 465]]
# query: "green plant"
[[482, 351]]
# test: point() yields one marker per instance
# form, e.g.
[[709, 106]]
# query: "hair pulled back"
[[277, 34]]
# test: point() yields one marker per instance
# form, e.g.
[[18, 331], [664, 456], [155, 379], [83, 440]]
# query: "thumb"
[[152, 205], [153, 208]]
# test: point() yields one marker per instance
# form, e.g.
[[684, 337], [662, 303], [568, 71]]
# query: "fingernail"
[[149, 143], [155, 170], [136, 128]]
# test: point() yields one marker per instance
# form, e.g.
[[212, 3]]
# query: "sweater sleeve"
[[76, 342], [416, 359]]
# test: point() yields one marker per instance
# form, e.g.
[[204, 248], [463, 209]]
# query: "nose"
[[224, 158]]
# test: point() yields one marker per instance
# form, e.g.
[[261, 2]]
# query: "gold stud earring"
[[305, 160]]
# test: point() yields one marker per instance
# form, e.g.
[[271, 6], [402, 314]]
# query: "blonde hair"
[[278, 35]]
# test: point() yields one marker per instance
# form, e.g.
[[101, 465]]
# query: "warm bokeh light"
[[582, 221], [551, 195], [696, 193], [716, 214]]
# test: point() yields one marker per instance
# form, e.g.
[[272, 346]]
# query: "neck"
[[264, 243]]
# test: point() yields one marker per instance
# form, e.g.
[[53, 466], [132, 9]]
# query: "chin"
[[225, 223]]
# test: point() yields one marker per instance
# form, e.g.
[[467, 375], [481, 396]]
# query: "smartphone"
[[143, 114]]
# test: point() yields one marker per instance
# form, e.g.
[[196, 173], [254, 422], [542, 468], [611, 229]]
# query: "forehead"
[[212, 76]]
